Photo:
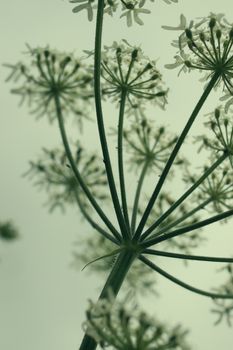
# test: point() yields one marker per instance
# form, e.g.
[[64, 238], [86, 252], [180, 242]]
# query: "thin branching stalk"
[[94, 224], [78, 175], [120, 157], [100, 121], [188, 228], [185, 195], [174, 153], [137, 196], [183, 284]]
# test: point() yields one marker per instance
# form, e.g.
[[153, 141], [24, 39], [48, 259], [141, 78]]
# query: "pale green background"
[[42, 300]]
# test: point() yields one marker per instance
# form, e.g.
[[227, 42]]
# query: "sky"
[[42, 298]]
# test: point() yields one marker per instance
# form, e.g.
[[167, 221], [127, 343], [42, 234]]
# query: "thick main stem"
[[174, 154], [100, 122], [113, 285]]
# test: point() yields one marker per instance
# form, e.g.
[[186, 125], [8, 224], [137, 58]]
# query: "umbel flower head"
[[224, 308], [148, 145], [130, 9], [216, 192], [221, 125], [50, 74], [117, 328], [206, 45], [126, 69], [53, 173]]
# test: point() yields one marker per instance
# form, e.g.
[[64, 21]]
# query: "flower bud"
[[212, 23], [189, 34], [134, 54]]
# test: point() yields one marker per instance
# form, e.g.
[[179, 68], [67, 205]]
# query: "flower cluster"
[[113, 326], [206, 45], [216, 192], [126, 68], [148, 145], [50, 74], [222, 127], [130, 9], [92, 248], [224, 308], [53, 173], [8, 231]]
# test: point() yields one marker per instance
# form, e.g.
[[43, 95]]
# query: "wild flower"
[[53, 174], [116, 327], [48, 74], [130, 9], [148, 144], [126, 69], [206, 45], [215, 194], [224, 308], [220, 123]]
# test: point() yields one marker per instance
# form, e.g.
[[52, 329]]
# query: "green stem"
[[178, 221], [100, 122], [120, 157], [92, 222], [77, 173], [137, 196], [183, 284], [112, 285], [185, 195], [174, 154], [187, 256], [188, 228]]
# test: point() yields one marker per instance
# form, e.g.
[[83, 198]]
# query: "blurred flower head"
[[53, 173], [49, 74], [216, 192], [221, 125], [114, 326]]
